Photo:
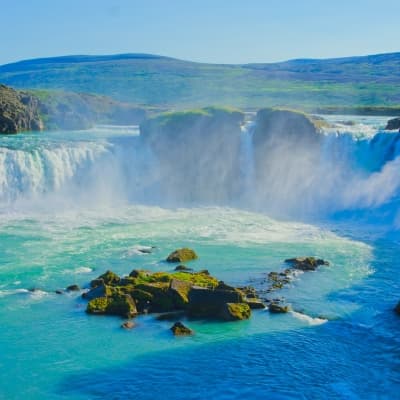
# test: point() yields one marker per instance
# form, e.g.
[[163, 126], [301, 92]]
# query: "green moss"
[[97, 306], [162, 300], [122, 305], [197, 279], [109, 277], [117, 304], [236, 311], [180, 292]]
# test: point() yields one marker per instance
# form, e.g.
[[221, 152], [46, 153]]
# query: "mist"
[[278, 164]]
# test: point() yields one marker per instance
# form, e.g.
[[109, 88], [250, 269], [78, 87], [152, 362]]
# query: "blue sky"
[[219, 31]]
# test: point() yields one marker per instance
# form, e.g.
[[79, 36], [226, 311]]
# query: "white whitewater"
[[354, 170], [247, 162]]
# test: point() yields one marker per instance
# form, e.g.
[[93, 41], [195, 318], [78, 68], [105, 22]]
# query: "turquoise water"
[[344, 345]]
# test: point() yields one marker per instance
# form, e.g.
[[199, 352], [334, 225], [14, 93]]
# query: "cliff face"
[[197, 152], [19, 111], [38, 110], [286, 151], [70, 111]]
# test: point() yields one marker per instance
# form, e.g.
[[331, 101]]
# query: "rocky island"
[[186, 293]]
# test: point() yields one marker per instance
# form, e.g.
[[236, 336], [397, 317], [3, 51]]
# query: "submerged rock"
[[73, 288], [178, 329], [182, 255], [393, 124], [183, 268], [128, 325], [397, 308], [255, 304], [277, 308], [306, 263]]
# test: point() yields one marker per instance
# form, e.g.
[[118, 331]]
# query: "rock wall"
[[19, 111], [197, 153], [55, 110]]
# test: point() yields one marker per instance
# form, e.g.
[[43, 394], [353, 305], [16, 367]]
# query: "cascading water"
[[355, 169], [247, 162]]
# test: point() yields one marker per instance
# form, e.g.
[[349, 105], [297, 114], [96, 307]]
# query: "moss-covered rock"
[[211, 303], [235, 311], [196, 294], [98, 291], [178, 329], [108, 278], [180, 292], [122, 305], [182, 255], [161, 301], [97, 305]]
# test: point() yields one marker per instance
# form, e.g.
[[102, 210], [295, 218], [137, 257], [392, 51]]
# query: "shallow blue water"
[[52, 235]]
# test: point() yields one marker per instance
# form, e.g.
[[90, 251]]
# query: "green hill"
[[167, 82]]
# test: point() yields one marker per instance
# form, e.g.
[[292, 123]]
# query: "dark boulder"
[[210, 303], [183, 268], [255, 304], [108, 278], [277, 308], [73, 288], [180, 292], [178, 329], [95, 292], [393, 124], [162, 300], [128, 325], [235, 311], [306, 263], [122, 305], [182, 255]]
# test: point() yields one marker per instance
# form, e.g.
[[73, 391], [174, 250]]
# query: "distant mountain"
[[168, 82]]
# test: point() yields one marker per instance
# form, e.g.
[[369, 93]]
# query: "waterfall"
[[247, 163], [346, 171]]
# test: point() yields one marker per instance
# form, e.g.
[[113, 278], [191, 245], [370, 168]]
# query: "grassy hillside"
[[166, 82]]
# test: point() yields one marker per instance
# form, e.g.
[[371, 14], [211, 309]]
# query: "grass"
[[176, 84]]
